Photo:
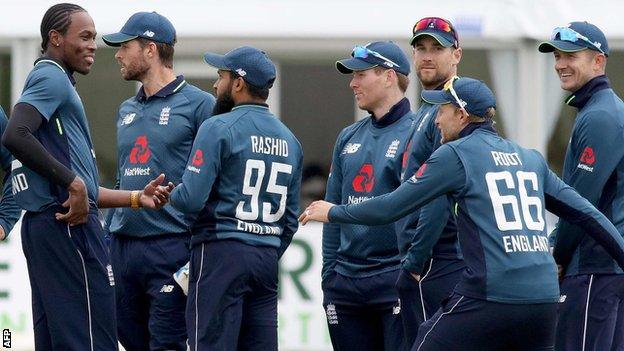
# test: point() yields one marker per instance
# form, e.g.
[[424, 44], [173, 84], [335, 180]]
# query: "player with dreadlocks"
[[48, 134]]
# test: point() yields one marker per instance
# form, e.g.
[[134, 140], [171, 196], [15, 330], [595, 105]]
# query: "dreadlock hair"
[[58, 18]]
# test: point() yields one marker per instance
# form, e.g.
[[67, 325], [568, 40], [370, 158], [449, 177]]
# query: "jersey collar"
[[580, 97], [167, 90], [397, 111], [471, 127], [59, 64]]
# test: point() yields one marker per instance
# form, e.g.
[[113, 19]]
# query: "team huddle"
[[434, 237]]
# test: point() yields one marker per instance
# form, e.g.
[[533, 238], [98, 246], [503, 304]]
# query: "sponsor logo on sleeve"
[[196, 161], [588, 158]]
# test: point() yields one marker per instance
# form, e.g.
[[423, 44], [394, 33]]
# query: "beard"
[[135, 70], [224, 103]]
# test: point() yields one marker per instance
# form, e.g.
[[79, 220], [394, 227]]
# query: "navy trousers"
[[232, 301], [363, 313], [421, 299], [150, 305], [467, 324], [591, 313], [73, 297]]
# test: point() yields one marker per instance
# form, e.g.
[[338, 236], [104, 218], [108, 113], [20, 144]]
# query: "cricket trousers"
[[73, 297]]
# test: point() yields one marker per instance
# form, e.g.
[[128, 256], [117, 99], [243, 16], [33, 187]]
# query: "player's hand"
[[155, 195], [78, 203], [415, 276], [317, 211], [2, 233]]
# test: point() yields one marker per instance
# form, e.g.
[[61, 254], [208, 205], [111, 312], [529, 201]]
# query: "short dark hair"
[[58, 18], [254, 91], [165, 51]]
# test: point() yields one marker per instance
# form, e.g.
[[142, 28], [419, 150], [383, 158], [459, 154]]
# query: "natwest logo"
[[364, 181], [140, 153], [198, 158], [588, 156]]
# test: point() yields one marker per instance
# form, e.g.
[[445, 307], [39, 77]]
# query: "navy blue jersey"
[[594, 166], [434, 221], [367, 162], [155, 135], [9, 211], [501, 192], [64, 134], [243, 177]]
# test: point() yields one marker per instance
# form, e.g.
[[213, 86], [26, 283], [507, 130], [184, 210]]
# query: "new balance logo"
[[562, 298], [127, 119], [148, 33], [351, 148], [397, 308], [166, 288], [241, 72], [332, 316]]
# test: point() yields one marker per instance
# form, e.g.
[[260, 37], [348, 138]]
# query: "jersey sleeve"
[[566, 203], [333, 194], [592, 148], [211, 145], [9, 211], [46, 90], [442, 173], [431, 222], [292, 209]]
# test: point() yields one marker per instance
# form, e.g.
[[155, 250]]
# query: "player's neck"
[[384, 106], [156, 79]]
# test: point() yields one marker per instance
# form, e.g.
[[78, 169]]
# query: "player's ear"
[[239, 84]]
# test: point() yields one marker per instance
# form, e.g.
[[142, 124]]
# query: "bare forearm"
[[109, 198]]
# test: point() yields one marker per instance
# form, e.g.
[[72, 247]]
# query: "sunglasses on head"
[[364, 52], [570, 35], [448, 86]]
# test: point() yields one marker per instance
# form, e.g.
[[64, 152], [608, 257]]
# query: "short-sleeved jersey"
[[243, 177], [594, 165], [9, 211], [154, 136], [367, 162], [501, 191], [64, 134]]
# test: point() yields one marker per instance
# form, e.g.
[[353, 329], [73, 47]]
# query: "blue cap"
[[596, 39], [384, 54], [148, 25], [253, 65], [433, 28], [473, 94]]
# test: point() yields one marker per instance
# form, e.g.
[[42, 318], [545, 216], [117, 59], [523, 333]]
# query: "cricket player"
[[9, 211], [155, 132], [507, 296], [243, 178], [591, 313], [55, 179], [436, 54], [361, 263]]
